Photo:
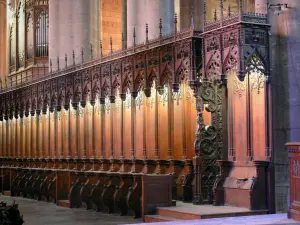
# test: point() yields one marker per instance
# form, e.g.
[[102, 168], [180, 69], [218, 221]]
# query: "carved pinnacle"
[[215, 15], [57, 63], [110, 42], [147, 30], [50, 65], [91, 51], [100, 48], [66, 61], [82, 55], [160, 27], [134, 35], [192, 19], [123, 41], [175, 23], [73, 57], [229, 10]]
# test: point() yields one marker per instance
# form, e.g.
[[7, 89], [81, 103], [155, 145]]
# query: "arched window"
[[41, 34]]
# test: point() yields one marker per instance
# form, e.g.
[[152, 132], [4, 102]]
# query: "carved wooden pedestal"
[[242, 184]]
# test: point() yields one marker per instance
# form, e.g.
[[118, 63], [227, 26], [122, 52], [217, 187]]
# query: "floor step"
[[63, 203], [7, 193], [185, 211], [170, 213], [158, 218]]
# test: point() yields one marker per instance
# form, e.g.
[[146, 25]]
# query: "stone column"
[[54, 32], [140, 12], [73, 25], [3, 41], [132, 19]]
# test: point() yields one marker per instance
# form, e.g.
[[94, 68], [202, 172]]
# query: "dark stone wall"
[[285, 70]]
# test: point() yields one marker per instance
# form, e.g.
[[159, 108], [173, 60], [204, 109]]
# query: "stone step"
[[7, 193], [171, 213], [158, 218], [63, 203]]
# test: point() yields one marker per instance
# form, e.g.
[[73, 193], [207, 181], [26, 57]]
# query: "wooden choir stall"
[[187, 114]]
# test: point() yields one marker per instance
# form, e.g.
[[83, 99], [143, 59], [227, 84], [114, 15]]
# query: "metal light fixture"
[[279, 8]]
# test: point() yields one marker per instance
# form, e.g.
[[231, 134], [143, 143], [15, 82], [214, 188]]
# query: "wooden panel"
[[127, 127], [151, 198], [163, 130], [258, 117], [117, 128], [178, 102], [81, 133], [238, 95], [139, 125], [98, 130], [190, 121], [73, 132], [1, 138], [107, 131], [150, 124], [52, 137]]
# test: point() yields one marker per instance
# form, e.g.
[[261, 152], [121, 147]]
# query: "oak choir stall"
[[187, 114]]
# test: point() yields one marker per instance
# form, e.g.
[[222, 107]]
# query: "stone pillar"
[[74, 24], [140, 12], [3, 41], [132, 19]]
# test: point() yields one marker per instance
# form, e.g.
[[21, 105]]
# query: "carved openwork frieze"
[[169, 64]]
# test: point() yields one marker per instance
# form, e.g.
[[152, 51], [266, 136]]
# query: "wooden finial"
[[123, 41], [66, 61], [229, 10], [215, 15], [147, 32], [50, 65], [192, 19], [101, 48], [57, 60], [82, 55], [160, 27], [91, 46], [134, 36], [73, 57], [110, 42], [175, 23]]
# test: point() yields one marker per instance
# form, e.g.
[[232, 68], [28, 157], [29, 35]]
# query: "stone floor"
[[43, 213], [39, 212], [243, 220]]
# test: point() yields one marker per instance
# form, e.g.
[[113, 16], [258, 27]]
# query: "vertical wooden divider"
[[145, 153], [1, 139], [69, 137], [77, 132], [50, 143], [170, 123], [30, 139], [86, 130], [37, 149], [93, 133], [112, 114], [122, 130], [7, 138], [12, 138], [133, 111], [22, 143], [102, 131], [184, 141], [157, 153]]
